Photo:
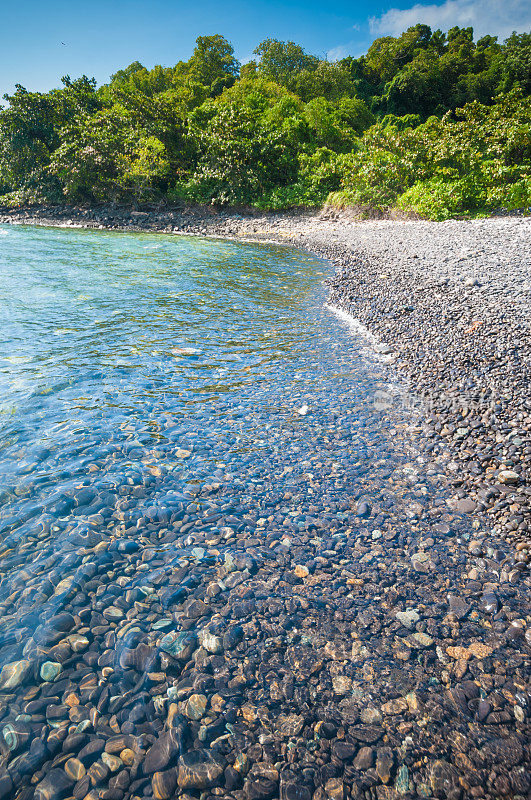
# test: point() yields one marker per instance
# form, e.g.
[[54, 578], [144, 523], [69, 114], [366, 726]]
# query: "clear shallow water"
[[150, 388]]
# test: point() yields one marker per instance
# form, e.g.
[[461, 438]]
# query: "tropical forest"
[[427, 124]]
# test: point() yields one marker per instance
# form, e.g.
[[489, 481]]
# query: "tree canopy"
[[433, 122]]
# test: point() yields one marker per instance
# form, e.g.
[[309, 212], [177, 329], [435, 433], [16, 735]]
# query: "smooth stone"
[[14, 673], [508, 476], [402, 780], [260, 788], [465, 506], [384, 763], [164, 784], [50, 670], [75, 769], [112, 762], [365, 758], [55, 785], [334, 789], [232, 637], [211, 643], [161, 753], [200, 769], [195, 706], [179, 645]]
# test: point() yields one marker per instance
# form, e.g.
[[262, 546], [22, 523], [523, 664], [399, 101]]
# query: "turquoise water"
[[139, 371]]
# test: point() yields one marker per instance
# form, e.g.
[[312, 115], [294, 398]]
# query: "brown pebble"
[[74, 769]]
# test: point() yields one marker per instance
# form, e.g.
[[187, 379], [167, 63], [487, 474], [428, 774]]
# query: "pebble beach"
[[370, 642]]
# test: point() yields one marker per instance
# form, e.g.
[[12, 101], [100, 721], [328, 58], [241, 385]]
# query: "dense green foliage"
[[430, 123]]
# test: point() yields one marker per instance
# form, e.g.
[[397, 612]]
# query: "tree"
[[282, 61], [517, 62], [213, 60]]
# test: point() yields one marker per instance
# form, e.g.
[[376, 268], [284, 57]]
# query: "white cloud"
[[485, 16], [337, 53]]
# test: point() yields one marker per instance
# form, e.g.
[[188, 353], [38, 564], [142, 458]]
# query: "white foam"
[[357, 328]]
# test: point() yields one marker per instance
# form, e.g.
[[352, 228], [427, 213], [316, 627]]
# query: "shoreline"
[[346, 244], [390, 663]]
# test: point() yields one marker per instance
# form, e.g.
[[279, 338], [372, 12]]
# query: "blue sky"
[[102, 36]]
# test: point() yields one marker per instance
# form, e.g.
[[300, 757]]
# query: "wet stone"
[[162, 753], [407, 618], [384, 763], [56, 785], [13, 674], [50, 670], [443, 779], [195, 706], [260, 789], [74, 769], [335, 789], [179, 645], [200, 769], [164, 784]]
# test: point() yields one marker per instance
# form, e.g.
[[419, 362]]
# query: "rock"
[[200, 769], [16, 735], [407, 618], [179, 645], [371, 715], [363, 509], [508, 476], [127, 756], [474, 650], [458, 606], [396, 706], [290, 725], [489, 603], [6, 786], [342, 684], [384, 763], [77, 642], [164, 784], [232, 637], [161, 754], [74, 769], [13, 674], [211, 643], [443, 778], [195, 609], [50, 670], [345, 751], [366, 733], [260, 789], [301, 571], [465, 506], [421, 640], [195, 706], [402, 780], [56, 785], [334, 789], [294, 790], [506, 751], [113, 763]]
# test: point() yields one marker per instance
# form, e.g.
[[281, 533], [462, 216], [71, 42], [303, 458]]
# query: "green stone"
[[402, 780], [50, 670]]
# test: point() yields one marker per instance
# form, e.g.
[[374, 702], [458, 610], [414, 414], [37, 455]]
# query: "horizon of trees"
[[429, 122]]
